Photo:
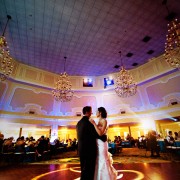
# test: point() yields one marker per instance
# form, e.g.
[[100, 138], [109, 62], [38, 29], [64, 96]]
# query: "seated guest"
[[179, 135], [119, 138], [20, 145], [1, 142], [159, 137], [132, 142], [56, 143], [128, 138], [47, 145], [30, 145], [142, 142], [115, 139], [170, 138], [8, 145], [74, 144], [30, 142], [43, 144], [175, 136]]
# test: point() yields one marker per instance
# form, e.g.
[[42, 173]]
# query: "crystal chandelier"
[[6, 65], [172, 45], [125, 86], [63, 91]]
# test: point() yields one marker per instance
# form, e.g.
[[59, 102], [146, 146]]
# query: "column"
[[129, 130], [20, 132], [54, 132], [56, 108]]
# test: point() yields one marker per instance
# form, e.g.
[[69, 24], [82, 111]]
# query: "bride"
[[104, 168]]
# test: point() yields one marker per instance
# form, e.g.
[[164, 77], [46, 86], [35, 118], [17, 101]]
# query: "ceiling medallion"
[[125, 86], [63, 91]]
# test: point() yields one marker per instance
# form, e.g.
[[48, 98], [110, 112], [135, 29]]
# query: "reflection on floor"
[[133, 163], [134, 171], [128, 155]]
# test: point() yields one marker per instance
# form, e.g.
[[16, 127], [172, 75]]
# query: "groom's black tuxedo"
[[87, 147]]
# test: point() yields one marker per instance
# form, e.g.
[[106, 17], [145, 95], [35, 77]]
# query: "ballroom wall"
[[26, 99]]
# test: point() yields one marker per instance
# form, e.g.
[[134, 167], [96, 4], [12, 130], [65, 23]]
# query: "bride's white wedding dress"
[[104, 169]]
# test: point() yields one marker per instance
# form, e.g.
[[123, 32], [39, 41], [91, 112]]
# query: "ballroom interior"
[[90, 41], [58, 56]]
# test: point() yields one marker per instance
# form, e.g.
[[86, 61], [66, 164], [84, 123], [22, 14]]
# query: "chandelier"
[[172, 45], [62, 91], [6, 65], [125, 85]]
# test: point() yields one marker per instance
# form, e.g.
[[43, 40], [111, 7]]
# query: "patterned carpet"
[[128, 155]]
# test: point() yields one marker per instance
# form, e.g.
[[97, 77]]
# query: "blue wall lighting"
[[108, 82], [87, 82]]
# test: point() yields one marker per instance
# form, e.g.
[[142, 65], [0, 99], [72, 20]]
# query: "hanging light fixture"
[[172, 45], [63, 91], [6, 65], [125, 86]]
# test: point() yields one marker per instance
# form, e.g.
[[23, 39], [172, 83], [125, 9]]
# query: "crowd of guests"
[[40, 146], [171, 139], [119, 140], [130, 141], [68, 145], [22, 145], [43, 144], [148, 141]]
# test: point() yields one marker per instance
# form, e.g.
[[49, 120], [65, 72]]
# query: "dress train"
[[104, 169]]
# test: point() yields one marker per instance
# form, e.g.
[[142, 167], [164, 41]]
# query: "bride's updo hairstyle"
[[103, 112]]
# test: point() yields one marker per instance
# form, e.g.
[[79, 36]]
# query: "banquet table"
[[177, 143], [162, 144], [126, 144], [112, 147]]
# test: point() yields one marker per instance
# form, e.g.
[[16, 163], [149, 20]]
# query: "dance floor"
[[133, 171]]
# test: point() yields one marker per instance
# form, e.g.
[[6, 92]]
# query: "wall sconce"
[[87, 82], [109, 81]]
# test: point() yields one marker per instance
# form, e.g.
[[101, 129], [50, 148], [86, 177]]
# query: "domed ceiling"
[[90, 33]]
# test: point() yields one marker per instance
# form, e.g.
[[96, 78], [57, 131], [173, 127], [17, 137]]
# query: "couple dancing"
[[95, 160]]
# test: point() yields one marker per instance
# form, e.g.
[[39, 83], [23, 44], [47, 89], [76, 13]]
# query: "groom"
[[87, 148]]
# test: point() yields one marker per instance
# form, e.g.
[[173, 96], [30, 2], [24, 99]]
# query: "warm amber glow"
[[140, 175], [45, 174], [148, 124], [73, 169]]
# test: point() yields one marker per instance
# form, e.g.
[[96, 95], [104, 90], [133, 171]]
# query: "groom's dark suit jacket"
[[87, 147]]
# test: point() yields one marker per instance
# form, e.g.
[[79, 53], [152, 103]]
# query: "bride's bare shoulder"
[[103, 121]]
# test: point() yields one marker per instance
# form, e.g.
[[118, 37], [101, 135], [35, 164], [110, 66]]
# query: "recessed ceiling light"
[[146, 38], [150, 52], [116, 66], [129, 54], [135, 64], [170, 16]]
